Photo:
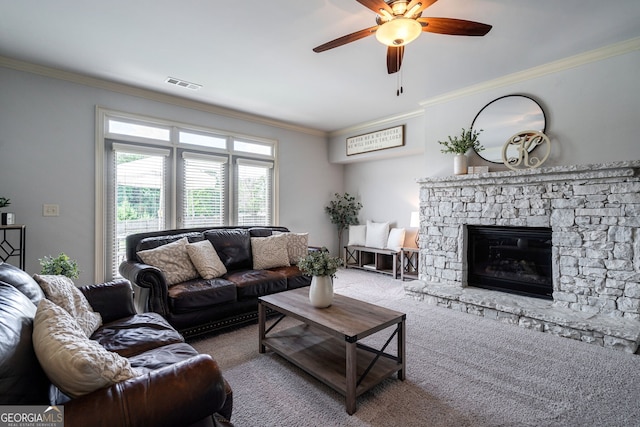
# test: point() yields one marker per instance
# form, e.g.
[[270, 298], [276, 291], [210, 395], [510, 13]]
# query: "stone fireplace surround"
[[594, 214]]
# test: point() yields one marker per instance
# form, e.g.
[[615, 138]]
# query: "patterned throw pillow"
[[297, 245], [206, 259], [270, 252], [74, 363], [63, 292], [173, 259]]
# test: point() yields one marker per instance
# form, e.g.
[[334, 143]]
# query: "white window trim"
[[102, 114]]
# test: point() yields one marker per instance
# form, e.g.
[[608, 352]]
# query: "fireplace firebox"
[[510, 259]]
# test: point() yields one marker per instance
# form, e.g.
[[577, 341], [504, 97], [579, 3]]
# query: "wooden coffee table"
[[326, 343]]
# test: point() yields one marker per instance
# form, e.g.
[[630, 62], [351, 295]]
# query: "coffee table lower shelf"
[[323, 356]]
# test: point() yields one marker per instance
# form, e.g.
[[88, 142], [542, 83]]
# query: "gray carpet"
[[462, 370]]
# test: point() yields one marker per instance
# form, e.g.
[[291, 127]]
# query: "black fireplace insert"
[[510, 259]]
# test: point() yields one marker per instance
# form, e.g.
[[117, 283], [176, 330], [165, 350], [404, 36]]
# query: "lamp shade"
[[415, 220], [398, 32]]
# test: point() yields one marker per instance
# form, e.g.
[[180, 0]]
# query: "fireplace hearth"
[[589, 279], [510, 259]]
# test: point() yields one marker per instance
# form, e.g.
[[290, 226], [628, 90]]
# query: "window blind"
[[138, 193], [254, 195], [203, 190]]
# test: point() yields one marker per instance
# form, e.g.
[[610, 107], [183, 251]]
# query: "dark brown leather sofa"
[[180, 386], [199, 306]]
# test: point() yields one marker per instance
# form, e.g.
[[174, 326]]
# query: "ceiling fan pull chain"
[[399, 88]]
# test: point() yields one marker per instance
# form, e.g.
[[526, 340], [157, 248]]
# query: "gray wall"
[[592, 111], [385, 181], [47, 155]]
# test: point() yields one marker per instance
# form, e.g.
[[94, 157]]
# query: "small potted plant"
[[60, 265], [459, 145], [322, 267]]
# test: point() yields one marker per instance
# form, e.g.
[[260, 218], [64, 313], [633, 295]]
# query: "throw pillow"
[[396, 239], [357, 235], [377, 234], [64, 293], [173, 259], [74, 363], [206, 260], [297, 245], [270, 252]]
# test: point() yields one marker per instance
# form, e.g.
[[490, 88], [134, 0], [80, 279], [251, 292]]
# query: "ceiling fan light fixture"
[[398, 32]]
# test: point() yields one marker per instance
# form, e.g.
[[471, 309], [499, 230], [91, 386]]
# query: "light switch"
[[50, 210]]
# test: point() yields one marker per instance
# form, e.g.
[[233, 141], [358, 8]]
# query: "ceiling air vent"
[[182, 83]]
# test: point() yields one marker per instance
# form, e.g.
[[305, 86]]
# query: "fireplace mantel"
[[594, 214], [539, 175]]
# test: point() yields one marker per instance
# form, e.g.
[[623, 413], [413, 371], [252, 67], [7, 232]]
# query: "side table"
[[13, 246], [409, 263]]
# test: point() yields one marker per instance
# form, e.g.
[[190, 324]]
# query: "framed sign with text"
[[379, 140]]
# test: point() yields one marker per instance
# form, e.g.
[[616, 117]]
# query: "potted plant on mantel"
[[459, 145], [322, 267]]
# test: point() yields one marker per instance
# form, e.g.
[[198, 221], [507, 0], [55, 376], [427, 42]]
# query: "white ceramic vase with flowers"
[[459, 145], [322, 267]]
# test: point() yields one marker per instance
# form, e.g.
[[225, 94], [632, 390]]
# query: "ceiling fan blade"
[[346, 39], [394, 58], [454, 27], [420, 5], [376, 6]]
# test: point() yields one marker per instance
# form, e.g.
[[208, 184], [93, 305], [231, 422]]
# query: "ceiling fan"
[[400, 22]]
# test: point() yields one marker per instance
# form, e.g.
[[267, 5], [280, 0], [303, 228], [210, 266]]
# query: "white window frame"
[[102, 227]]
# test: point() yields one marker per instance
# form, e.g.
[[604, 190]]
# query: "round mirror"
[[504, 117]]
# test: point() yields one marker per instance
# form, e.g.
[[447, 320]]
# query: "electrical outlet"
[[50, 210]]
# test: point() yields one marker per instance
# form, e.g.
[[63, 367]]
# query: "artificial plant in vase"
[[459, 145], [60, 265], [322, 267], [343, 212]]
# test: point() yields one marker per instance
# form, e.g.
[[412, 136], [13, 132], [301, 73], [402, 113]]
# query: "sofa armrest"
[[113, 300], [181, 394], [152, 293]]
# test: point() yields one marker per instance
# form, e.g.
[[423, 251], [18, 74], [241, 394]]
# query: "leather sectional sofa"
[[175, 385], [201, 305]]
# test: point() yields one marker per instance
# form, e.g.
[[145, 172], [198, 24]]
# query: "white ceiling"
[[256, 56]]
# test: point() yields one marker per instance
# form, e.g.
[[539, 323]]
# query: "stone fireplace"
[[593, 212]]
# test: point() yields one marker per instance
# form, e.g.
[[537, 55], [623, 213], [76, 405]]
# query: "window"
[[254, 192], [203, 190], [160, 175], [138, 193]]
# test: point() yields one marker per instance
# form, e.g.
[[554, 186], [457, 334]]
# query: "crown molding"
[[532, 73], [377, 123], [151, 95], [539, 71], [616, 49]]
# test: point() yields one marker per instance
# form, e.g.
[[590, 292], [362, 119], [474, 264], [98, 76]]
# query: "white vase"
[[321, 291], [460, 164]]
